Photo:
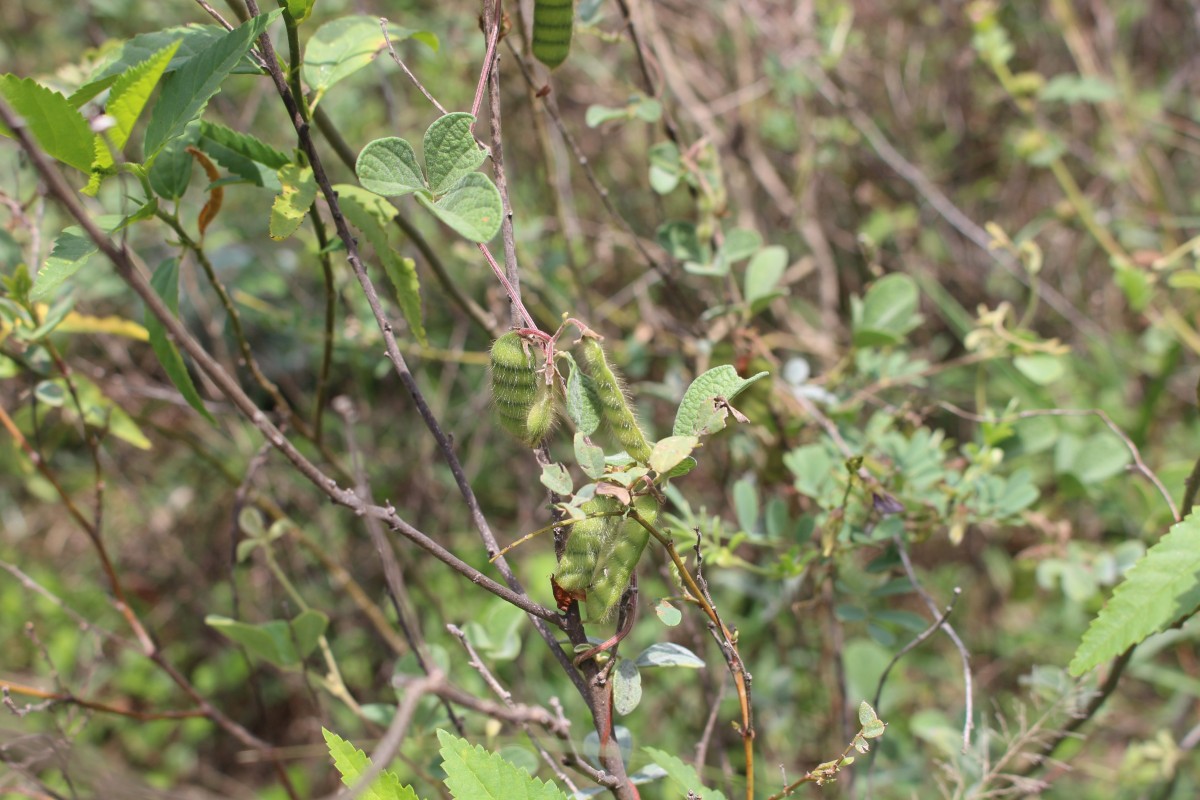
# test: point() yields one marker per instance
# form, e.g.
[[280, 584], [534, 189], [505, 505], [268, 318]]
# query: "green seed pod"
[[619, 560], [553, 21], [542, 414], [584, 544], [517, 389], [613, 402]]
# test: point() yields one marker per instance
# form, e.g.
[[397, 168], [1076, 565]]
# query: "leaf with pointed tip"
[[389, 167], [166, 285], [682, 774], [128, 98], [71, 252], [669, 452], [351, 762], [57, 127], [242, 154], [284, 643], [371, 214], [450, 151], [696, 406], [187, 91], [296, 195], [473, 773], [343, 46], [472, 208]]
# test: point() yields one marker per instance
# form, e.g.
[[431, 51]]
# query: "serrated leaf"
[[472, 208], [350, 762], [473, 773], [1158, 590], [128, 98], [389, 167], [298, 190], [187, 91], [696, 406], [55, 124], [242, 154], [556, 478], [451, 151], [280, 642], [342, 47], [583, 403], [764, 272], [668, 654], [370, 214], [627, 687], [669, 452], [683, 775], [589, 457], [166, 285], [71, 252]]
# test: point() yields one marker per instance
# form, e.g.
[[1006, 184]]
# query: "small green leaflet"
[[187, 91], [627, 687], [370, 213], [887, 313], [696, 410], [669, 452], [1158, 590], [351, 762], [472, 208], [344, 46], [281, 642], [166, 285], [451, 152], [583, 404], [297, 193], [473, 773]]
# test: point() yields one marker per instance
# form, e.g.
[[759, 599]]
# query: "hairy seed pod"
[[614, 405], [553, 21], [619, 560], [542, 414], [584, 543], [517, 388]]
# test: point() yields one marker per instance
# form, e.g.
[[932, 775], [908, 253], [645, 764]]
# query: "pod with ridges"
[[524, 403], [586, 540], [553, 21], [614, 405], [619, 560]]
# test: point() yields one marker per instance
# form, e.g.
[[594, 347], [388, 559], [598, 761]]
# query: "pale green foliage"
[[352, 762], [473, 773]]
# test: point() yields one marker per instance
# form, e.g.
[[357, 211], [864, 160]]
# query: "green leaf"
[[128, 98], [472, 208], [583, 403], [680, 241], [298, 190], [1041, 368], [51, 320], [696, 407], [242, 154], [187, 91], [342, 47], [496, 634], [389, 167], [764, 272], [1078, 89], [54, 123], [683, 775], [669, 452], [370, 213], [740, 243], [668, 654], [300, 10], [71, 252], [171, 170], [473, 773], [351, 762], [101, 413], [556, 478], [667, 613], [278, 641], [665, 169], [745, 504], [451, 152], [627, 687], [1158, 591], [887, 313], [589, 457], [166, 285]]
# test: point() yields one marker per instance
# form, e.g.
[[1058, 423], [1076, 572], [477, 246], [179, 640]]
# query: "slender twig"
[[912, 645], [964, 655], [67, 698], [383, 25]]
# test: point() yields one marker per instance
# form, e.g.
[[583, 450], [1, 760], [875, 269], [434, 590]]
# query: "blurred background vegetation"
[[764, 165]]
